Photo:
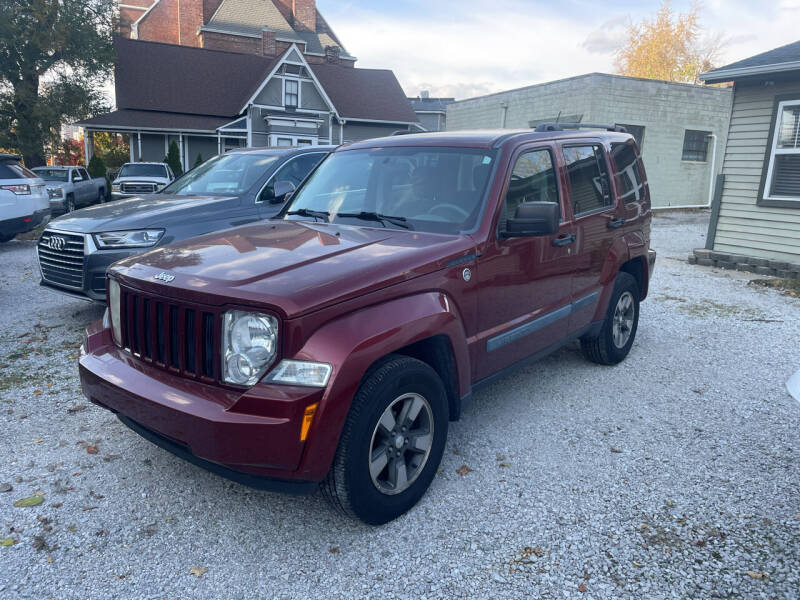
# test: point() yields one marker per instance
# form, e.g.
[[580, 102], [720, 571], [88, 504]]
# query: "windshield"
[[228, 174], [437, 190], [142, 170], [52, 174]]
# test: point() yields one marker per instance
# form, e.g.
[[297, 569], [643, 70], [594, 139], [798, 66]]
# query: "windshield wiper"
[[379, 218], [307, 212]]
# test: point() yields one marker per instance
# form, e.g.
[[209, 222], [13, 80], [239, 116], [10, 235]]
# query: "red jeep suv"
[[332, 344]]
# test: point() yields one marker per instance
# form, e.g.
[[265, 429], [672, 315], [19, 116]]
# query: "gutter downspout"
[[711, 179]]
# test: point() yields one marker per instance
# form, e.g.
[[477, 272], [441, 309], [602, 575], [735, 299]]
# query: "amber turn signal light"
[[308, 416]]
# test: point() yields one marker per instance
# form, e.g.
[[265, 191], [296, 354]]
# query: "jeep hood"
[[139, 212], [292, 267]]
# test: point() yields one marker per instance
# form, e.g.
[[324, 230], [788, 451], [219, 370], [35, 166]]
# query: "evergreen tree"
[[199, 160], [96, 168], [173, 159]]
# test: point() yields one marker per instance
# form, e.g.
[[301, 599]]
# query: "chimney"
[[268, 46], [305, 15], [425, 94]]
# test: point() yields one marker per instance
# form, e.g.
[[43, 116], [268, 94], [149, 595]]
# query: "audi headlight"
[[128, 239], [113, 309], [249, 345]]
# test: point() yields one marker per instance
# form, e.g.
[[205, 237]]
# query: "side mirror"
[[534, 218], [281, 190], [77, 178]]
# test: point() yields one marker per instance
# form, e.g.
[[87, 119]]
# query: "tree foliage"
[[96, 168], [112, 148], [173, 158], [68, 152], [54, 57], [670, 47]]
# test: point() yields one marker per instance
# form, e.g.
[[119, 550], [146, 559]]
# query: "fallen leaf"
[[49, 559], [76, 408], [57, 505], [637, 564], [757, 575], [615, 450], [37, 392], [30, 501], [334, 550], [463, 470], [198, 571], [643, 526], [582, 587], [38, 441], [8, 541], [85, 508], [700, 543], [91, 449], [504, 464]]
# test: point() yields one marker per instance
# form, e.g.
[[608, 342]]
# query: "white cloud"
[[472, 48]]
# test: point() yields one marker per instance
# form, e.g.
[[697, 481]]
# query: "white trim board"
[[774, 151]]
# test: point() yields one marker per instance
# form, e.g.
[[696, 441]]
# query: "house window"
[[695, 145], [291, 93], [783, 174], [637, 131]]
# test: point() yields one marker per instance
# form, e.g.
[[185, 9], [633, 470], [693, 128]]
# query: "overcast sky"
[[467, 48]]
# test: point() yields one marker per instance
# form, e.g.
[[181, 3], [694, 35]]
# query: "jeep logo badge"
[[466, 274], [165, 277], [56, 242]]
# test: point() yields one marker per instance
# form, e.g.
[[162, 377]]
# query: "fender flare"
[[356, 341]]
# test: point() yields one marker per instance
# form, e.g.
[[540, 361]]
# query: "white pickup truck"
[[71, 187], [135, 179]]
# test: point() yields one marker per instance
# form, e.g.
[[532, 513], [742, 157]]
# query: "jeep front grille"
[[171, 335], [61, 258]]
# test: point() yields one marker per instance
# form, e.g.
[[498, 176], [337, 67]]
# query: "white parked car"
[[24, 204], [139, 178]]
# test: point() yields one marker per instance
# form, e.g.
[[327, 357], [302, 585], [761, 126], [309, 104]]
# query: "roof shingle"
[[789, 53]]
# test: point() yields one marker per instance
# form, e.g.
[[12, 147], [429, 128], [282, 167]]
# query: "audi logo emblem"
[[56, 242]]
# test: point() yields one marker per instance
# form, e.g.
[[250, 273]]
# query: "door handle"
[[616, 223], [565, 240]]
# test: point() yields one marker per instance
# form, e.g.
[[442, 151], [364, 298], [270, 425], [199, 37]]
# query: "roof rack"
[[563, 126]]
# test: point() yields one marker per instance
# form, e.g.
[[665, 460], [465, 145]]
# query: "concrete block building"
[[681, 128]]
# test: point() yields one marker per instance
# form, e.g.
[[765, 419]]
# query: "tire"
[[615, 339], [356, 484], [70, 203], [101, 196]]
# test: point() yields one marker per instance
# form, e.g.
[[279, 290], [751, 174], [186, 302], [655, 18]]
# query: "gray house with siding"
[[681, 128], [755, 223], [211, 101]]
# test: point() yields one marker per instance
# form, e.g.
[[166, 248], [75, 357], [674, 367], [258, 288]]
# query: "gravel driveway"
[[672, 475]]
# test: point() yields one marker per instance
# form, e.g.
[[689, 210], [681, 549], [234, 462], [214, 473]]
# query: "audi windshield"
[[227, 174], [436, 190]]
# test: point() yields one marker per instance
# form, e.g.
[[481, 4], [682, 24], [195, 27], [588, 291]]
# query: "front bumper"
[[238, 435], [24, 224], [58, 205], [120, 195]]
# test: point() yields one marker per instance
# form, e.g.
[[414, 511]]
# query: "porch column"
[[180, 147], [219, 143], [130, 147], [86, 147], [139, 137], [166, 144]]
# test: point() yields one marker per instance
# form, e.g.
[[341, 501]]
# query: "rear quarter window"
[[11, 169], [627, 173]]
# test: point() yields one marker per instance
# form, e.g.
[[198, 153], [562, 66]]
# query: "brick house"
[[681, 128], [211, 101], [263, 27]]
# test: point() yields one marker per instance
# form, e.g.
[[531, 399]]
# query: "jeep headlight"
[[113, 309], [249, 345], [128, 239]]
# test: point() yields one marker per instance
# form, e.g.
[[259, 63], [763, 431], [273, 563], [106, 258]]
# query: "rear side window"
[[84, 173], [627, 174], [588, 178], [532, 180], [11, 169]]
